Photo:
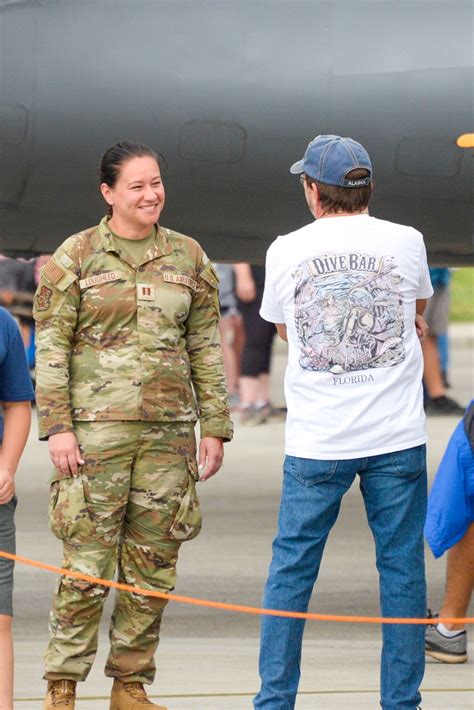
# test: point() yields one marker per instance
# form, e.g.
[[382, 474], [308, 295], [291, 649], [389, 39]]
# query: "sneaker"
[[444, 406], [252, 416], [61, 695], [131, 696], [277, 413], [268, 411], [234, 401], [447, 649]]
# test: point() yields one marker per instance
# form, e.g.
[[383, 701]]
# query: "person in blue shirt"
[[16, 393], [450, 526]]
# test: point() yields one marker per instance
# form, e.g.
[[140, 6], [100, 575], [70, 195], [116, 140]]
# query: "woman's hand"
[[64, 453], [211, 455]]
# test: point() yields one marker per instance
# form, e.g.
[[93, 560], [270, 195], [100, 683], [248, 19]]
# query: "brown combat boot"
[[61, 695], [130, 696]]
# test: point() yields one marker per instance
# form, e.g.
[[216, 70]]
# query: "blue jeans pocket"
[[409, 463], [310, 472]]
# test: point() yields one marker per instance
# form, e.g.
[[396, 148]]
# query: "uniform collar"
[[160, 247]]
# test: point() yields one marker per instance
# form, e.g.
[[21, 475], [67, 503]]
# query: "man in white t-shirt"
[[345, 291]]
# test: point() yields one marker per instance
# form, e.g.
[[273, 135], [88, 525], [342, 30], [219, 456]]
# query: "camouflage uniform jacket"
[[116, 342]]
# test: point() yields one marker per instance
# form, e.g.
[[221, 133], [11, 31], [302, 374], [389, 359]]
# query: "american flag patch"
[[53, 271]]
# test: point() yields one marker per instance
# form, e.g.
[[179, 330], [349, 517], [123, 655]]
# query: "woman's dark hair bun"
[[118, 154]]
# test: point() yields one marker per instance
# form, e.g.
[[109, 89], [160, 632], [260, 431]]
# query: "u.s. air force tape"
[[180, 279]]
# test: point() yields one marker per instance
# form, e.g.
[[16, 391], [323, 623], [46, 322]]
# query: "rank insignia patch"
[[146, 292]]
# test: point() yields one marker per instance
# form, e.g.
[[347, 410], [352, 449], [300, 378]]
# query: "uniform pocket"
[[188, 520], [69, 516], [310, 472]]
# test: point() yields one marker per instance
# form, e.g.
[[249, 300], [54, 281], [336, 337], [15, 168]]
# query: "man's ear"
[[314, 201]]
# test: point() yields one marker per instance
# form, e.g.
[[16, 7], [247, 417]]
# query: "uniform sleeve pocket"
[[69, 517], [188, 520], [209, 275], [211, 285]]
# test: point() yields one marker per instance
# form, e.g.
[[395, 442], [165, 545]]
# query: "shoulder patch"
[[53, 271], [43, 298], [66, 260]]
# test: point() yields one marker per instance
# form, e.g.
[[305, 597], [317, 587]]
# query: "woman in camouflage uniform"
[[128, 358]]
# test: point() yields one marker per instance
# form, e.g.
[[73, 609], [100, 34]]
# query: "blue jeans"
[[394, 490]]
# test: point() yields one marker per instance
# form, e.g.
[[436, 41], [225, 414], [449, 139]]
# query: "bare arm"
[[421, 305], [244, 283], [17, 420], [281, 330]]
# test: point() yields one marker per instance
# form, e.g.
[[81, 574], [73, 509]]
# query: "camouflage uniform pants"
[[128, 510]]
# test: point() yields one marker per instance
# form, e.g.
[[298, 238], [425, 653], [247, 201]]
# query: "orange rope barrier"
[[228, 607]]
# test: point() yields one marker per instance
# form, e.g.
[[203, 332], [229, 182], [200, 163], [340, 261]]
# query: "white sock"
[[448, 632]]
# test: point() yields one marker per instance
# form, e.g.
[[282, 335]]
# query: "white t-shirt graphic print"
[[348, 312], [346, 288]]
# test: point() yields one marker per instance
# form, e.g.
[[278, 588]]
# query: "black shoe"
[[443, 406]]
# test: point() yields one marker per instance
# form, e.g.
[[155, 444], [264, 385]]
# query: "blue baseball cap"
[[329, 159]]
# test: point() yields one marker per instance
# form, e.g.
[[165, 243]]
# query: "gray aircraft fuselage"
[[230, 92]]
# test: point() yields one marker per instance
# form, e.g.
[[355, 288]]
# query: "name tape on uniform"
[[100, 279], [180, 279]]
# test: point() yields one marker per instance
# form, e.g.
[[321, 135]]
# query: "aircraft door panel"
[[17, 78], [428, 157], [213, 141], [14, 157]]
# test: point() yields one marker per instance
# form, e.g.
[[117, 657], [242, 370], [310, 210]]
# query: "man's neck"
[[324, 215]]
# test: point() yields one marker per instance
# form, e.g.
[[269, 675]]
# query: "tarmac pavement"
[[207, 659]]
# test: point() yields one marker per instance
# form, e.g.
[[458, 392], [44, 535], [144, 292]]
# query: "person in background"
[[450, 526], [231, 330], [437, 317], [254, 384], [16, 393], [17, 286]]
